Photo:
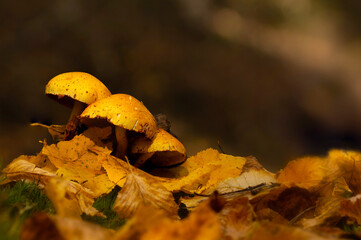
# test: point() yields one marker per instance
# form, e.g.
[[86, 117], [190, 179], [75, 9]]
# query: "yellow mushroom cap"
[[79, 86], [168, 149], [124, 111]]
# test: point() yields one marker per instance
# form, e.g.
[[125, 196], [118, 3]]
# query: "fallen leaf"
[[272, 231], [20, 169], [326, 212], [236, 217], [252, 174], [351, 208], [42, 227], [56, 131], [205, 171], [70, 199], [202, 223], [116, 169], [140, 190], [144, 219], [349, 164], [76, 151], [305, 172]]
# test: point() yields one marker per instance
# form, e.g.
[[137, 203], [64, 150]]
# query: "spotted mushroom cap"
[[124, 111], [80, 86], [169, 150]]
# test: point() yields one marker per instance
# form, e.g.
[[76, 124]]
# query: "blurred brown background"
[[274, 79]]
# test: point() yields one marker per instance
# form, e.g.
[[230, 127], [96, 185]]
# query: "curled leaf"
[[141, 190], [70, 199], [20, 169]]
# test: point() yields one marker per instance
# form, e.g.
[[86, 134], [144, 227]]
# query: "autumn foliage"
[[211, 195]]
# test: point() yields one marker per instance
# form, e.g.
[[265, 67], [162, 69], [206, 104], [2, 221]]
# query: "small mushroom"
[[126, 113], [75, 90], [164, 150]]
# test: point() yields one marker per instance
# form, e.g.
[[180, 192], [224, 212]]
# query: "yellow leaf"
[[20, 169], [202, 223], [253, 174], [70, 199], [116, 169], [75, 151], [305, 172], [349, 167], [205, 171], [141, 190], [99, 185]]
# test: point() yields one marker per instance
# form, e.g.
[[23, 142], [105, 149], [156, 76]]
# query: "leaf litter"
[[211, 195]]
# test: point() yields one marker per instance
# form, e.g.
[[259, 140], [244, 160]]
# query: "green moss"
[[21, 199], [17, 202]]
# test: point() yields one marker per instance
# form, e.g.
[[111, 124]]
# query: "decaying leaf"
[[273, 231], [43, 227], [349, 167], [236, 217], [20, 169], [141, 190], [56, 131], [252, 174], [351, 208], [70, 199]]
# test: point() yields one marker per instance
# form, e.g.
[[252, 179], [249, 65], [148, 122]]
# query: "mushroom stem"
[[73, 122], [142, 159], [122, 142]]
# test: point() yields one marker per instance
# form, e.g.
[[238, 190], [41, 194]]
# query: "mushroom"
[[75, 90], [164, 150], [126, 113]]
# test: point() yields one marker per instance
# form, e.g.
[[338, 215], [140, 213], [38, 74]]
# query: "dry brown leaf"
[[326, 211], [305, 172], [288, 202], [349, 167], [236, 217], [43, 227], [70, 199], [20, 169], [141, 190], [251, 177], [351, 208], [56, 131], [273, 231]]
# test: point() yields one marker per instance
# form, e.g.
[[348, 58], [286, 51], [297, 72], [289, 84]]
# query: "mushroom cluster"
[[138, 137]]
